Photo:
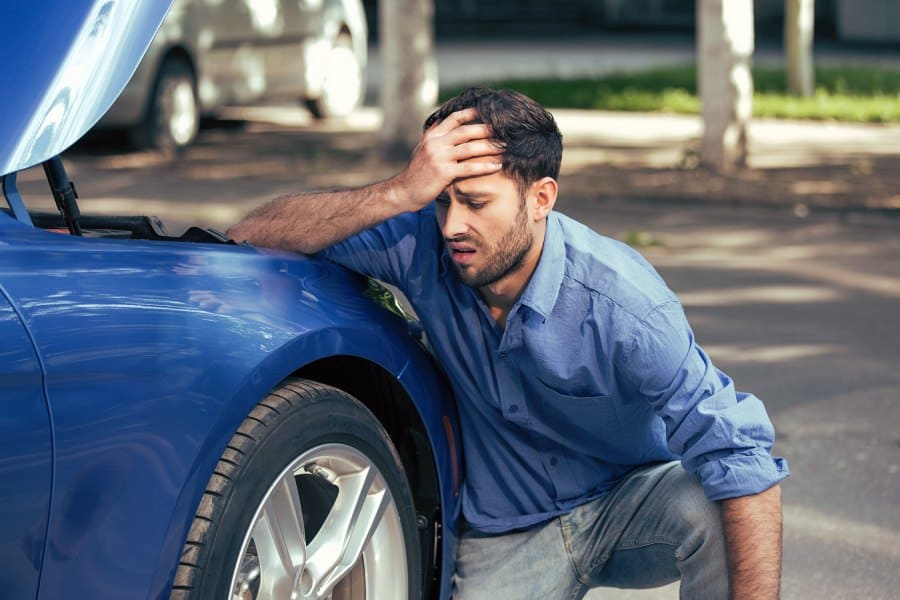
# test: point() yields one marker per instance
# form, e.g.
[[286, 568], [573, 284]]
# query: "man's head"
[[531, 140], [493, 225]]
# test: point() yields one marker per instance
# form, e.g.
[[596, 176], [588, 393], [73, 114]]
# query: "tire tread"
[[263, 419]]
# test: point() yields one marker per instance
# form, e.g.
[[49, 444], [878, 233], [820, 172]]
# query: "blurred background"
[[477, 17], [750, 149]]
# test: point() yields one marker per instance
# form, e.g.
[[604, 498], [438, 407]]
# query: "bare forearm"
[[310, 222], [753, 541]]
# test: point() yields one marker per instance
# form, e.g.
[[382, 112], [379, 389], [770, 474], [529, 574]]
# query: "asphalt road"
[[800, 311]]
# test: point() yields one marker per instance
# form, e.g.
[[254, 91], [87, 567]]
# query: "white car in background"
[[213, 53]]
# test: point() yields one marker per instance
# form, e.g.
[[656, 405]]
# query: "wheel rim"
[[357, 550], [342, 87], [178, 115]]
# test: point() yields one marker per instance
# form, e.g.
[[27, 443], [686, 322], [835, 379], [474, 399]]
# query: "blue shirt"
[[596, 372]]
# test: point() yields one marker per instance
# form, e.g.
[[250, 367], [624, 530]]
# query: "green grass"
[[638, 238], [843, 94]]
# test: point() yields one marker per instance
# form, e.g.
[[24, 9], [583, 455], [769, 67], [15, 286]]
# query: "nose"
[[454, 222]]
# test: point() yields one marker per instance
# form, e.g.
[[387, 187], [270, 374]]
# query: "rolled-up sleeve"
[[723, 436]]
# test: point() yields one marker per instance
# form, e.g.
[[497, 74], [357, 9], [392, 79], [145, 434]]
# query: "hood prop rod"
[[64, 193], [11, 192]]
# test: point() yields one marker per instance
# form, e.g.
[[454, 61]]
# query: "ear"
[[544, 194]]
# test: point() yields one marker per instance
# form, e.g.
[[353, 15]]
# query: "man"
[[578, 381]]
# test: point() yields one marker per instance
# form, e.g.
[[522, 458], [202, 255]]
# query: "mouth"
[[461, 253]]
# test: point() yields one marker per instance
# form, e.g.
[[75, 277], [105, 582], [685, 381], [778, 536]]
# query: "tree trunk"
[[409, 83], [724, 81], [799, 19]]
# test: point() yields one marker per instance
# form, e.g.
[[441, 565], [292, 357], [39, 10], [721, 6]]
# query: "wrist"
[[399, 193]]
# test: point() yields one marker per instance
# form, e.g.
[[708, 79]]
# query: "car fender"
[[154, 354], [385, 342]]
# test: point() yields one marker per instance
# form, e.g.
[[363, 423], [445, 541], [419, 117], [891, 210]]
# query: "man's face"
[[486, 227]]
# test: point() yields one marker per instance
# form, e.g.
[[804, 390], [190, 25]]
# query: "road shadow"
[[860, 182]]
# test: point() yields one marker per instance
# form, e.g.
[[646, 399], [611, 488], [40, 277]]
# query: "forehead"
[[497, 184]]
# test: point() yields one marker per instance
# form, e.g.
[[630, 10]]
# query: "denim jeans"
[[655, 527]]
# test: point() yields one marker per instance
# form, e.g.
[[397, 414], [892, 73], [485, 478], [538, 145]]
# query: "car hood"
[[64, 63]]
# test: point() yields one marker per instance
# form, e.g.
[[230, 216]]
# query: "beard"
[[504, 257]]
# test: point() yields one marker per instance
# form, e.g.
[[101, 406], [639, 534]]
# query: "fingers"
[[462, 137], [477, 148], [476, 168], [460, 117], [464, 142], [458, 128], [452, 149], [468, 133]]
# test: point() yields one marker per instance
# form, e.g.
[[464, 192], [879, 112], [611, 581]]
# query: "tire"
[[172, 118], [342, 90], [312, 481]]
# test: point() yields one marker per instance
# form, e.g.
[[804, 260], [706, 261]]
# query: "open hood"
[[64, 63]]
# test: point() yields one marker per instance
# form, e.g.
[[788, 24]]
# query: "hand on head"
[[445, 154]]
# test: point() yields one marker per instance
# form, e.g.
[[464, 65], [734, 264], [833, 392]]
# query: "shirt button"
[[553, 461], [514, 408], [502, 354]]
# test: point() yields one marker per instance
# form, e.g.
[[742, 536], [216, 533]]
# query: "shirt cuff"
[[742, 474]]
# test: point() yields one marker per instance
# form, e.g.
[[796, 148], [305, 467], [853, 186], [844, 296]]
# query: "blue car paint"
[[154, 352], [25, 458], [126, 366]]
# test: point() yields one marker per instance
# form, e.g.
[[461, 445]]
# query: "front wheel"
[[309, 500]]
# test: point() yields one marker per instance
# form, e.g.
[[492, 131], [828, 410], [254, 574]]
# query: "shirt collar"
[[543, 288]]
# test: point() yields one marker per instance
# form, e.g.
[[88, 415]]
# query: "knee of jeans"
[[702, 520]]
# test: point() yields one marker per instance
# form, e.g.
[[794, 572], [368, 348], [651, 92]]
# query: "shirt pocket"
[[597, 427], [571, 420]]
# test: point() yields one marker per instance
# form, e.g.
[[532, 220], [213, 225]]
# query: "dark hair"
[[531, 140]]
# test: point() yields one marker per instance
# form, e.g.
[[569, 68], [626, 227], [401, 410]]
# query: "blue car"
[[184, 417]]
